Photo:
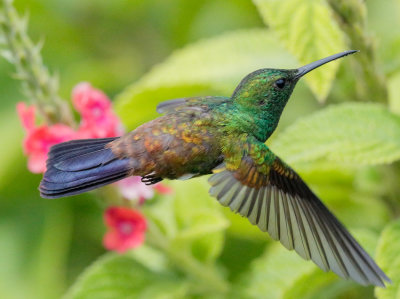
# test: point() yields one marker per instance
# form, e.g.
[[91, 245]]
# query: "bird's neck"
[[256, 121], [259, 109]]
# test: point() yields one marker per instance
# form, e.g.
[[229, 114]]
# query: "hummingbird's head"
[[265, 86], [271, 88]]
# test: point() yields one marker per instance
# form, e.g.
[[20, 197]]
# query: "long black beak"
[[313, 65]]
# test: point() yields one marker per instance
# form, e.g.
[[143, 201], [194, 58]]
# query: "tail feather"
[[80, 189], [85, 161], [74, 178], [78, 166], [71, 148]]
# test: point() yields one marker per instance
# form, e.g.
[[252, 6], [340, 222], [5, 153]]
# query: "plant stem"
[[38, 85], [203, 274], [351, 17]]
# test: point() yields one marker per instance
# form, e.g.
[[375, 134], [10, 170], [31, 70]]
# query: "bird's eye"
[[280, 83]]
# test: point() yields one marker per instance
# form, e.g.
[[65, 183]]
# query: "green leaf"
[[393, 93], [201, 223], [240, 227], [283, 274], [121, 276], [339, 191], [352, 133], [189, 227], [193, 224], [274, 273], [308, 31], [388, 258], [209, 67], [150, 258], [320, 285], [316, 285]]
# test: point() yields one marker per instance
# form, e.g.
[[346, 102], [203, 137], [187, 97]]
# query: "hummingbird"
[[225, 137]]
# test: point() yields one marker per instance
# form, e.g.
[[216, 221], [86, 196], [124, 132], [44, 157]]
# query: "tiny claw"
[[150, 179]]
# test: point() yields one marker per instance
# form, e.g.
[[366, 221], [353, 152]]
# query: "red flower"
[[126, 229], [38, 140], [162, 189], [98, 119]]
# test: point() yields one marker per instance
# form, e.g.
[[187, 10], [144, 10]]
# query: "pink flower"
[[132, 188], [126, 229], [98, 119], [27, 115], [39, 139]]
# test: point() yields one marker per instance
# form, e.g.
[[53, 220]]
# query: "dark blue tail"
[[78, 166]]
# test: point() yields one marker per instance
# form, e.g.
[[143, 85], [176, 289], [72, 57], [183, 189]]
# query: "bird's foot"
[[151, 179]]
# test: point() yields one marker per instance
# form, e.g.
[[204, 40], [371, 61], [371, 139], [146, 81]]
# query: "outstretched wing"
[[189, 103], [274, 197]]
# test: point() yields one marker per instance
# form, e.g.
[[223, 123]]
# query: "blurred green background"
[[46, 244]]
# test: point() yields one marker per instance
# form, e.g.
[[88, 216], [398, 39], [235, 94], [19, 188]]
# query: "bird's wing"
[[272, 196], [189, 103]]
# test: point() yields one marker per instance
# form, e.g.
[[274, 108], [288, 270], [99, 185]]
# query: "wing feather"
[[194, 103], [277, 200]]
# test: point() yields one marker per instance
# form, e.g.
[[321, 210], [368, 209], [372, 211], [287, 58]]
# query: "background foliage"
[[340, 130]]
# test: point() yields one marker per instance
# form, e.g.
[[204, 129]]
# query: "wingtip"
[[383, 282], [386, 280]]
